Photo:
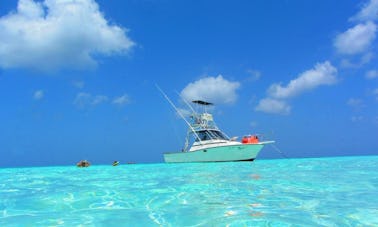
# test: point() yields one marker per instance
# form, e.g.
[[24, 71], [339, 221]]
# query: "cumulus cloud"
[[357, 118], [274, 106], [276, 102], [356, 40], [357, 104], [38, 95], [371, 74], [357, 62], [98, 99], [253, 74], [375, 92], [322, 74], [53, 34], [84, 100], [369, 11], [212, 89], [78, 84], [121, 100], [183, 112]]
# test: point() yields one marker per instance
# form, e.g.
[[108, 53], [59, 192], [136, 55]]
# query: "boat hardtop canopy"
[[202, 124], [200, 102]]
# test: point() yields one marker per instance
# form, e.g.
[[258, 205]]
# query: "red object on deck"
[[250, 139]]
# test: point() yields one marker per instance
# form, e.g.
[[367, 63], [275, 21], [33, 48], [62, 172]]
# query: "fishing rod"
[[179, 112], [195, 114], [186, 102]]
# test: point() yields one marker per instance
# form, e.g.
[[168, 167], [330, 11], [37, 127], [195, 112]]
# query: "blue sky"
[[77, 77]]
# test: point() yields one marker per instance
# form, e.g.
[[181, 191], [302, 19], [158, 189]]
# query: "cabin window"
[[210, 135], [203, 135], [219, 135]]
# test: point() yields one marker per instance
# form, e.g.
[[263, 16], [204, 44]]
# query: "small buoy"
[[115, 163], [83, 163]]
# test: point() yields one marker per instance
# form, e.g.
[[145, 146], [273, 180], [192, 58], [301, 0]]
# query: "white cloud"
[[276, 101], [368, 12], [357, 118], [375, 92], [212, 89], [78, 84], [371, 74], [253, 124], [38, 95], [355, 103], [254, 74], [183, 112], [358, 61], [356, 40], [83, 100], [322, 74], [122, 100], [54, 34], [98, 99], [273, 106]]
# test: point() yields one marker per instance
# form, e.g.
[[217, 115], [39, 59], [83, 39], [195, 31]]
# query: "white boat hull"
[[227, 153]]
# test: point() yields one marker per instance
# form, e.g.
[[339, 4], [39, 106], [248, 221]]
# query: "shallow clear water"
[[286, 192]]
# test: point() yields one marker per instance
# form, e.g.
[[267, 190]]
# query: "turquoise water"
[[285, 192]]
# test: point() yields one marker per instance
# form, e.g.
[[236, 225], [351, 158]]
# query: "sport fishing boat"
[[210, 144]]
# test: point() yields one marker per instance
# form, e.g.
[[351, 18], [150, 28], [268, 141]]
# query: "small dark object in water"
[[83, 163], [115, 163]]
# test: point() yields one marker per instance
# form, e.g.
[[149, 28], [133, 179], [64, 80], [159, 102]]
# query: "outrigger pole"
[[186, 102], [179, 112]]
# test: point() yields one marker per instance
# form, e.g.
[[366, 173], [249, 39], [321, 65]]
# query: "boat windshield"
[[211, 135]]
